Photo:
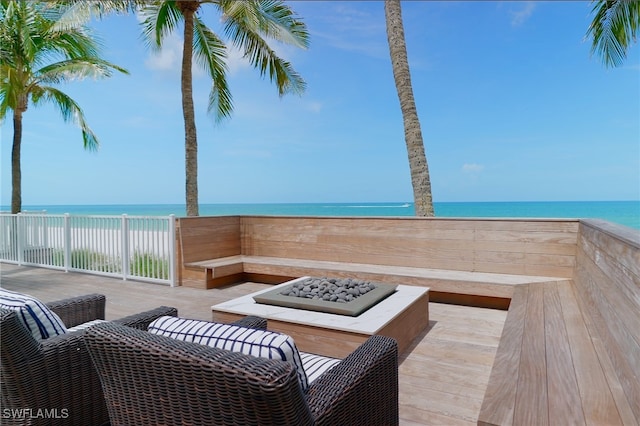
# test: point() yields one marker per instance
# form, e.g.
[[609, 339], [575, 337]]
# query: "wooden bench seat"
[[221, 271], [213, 272], [439, 280], [551, 367]]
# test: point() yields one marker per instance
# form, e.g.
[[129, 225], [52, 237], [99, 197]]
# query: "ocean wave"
[[369, 207]]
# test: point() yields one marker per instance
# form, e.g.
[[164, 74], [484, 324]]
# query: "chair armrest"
[[72, 381], [362, 389], [78, 310], [252, 322], [142, 320]]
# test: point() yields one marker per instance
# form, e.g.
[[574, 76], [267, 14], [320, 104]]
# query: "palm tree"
[[613, 29], [248, 25], [419, 168], [42, 47]]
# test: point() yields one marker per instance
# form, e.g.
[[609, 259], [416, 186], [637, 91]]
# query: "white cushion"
[[41, 322], [316, 365], [85, 325], [249, 341]]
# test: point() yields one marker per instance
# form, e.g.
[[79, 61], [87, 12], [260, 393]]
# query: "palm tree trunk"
[[16, 171], [420, 181], [188, 8]]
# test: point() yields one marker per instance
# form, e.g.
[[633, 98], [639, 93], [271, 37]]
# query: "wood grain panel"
[[408, 324], [597, 401], [518, 247], [616, 281], [443, 281], [617, 391], [607, 285], [607, 282], [532, 396], [498, 406], [203, 238], [623, 350], [612, 290], [442, 376], [459, 407], [621, 243], [565, 404]]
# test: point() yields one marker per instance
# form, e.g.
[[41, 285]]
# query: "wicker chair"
[[53, 381], [150, 380]]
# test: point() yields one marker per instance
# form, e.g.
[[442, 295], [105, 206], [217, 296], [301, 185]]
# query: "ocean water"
[[622, 212]]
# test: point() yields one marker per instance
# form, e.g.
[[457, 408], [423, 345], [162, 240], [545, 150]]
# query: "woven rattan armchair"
[[53, 381], [149, 379]]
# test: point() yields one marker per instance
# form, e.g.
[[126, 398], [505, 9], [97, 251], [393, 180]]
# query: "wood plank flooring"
[[443, 376]]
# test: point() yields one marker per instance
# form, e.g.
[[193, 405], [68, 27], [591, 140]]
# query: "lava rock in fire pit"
[[329, 289]]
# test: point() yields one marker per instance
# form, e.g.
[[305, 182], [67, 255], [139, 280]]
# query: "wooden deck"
[[443, 377]]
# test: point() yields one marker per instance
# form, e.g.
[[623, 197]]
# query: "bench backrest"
[[526, 247], [607, 280], [204, 238]]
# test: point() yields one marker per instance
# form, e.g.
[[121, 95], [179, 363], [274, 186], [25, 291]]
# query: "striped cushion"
[[41, 322], [85, 325], [259, 343], [316, 365]]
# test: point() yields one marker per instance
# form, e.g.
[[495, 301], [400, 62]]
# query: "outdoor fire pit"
[[331, 295]]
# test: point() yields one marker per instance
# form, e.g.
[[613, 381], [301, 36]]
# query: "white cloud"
[[169, 57], [235, 59], [351, 29], [519, 17], [472, 168], [314, 106]]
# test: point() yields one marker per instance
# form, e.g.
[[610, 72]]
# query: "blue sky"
[[512, 105]]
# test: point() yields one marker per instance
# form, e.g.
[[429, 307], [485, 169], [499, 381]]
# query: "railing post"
[[45, 225], [124, 238], [172, 250], [67, 242], [20, 238]]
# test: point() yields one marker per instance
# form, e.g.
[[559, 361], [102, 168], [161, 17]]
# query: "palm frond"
[[272, 18], [160, 19], [243, 27], [12, 84], [69, 15], [39, 52], [86, 9], [210, 53], [613, 29], [76, 69], [74, 43], [21, 27], [69, 110]]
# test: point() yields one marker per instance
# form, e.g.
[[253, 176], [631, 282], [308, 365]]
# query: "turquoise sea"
[[622, 212]]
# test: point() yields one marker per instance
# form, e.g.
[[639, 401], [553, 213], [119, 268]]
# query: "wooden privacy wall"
[[204, 238], [607, 279], [523, 247]]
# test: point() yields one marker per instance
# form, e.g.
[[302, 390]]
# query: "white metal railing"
[[130, 247]]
